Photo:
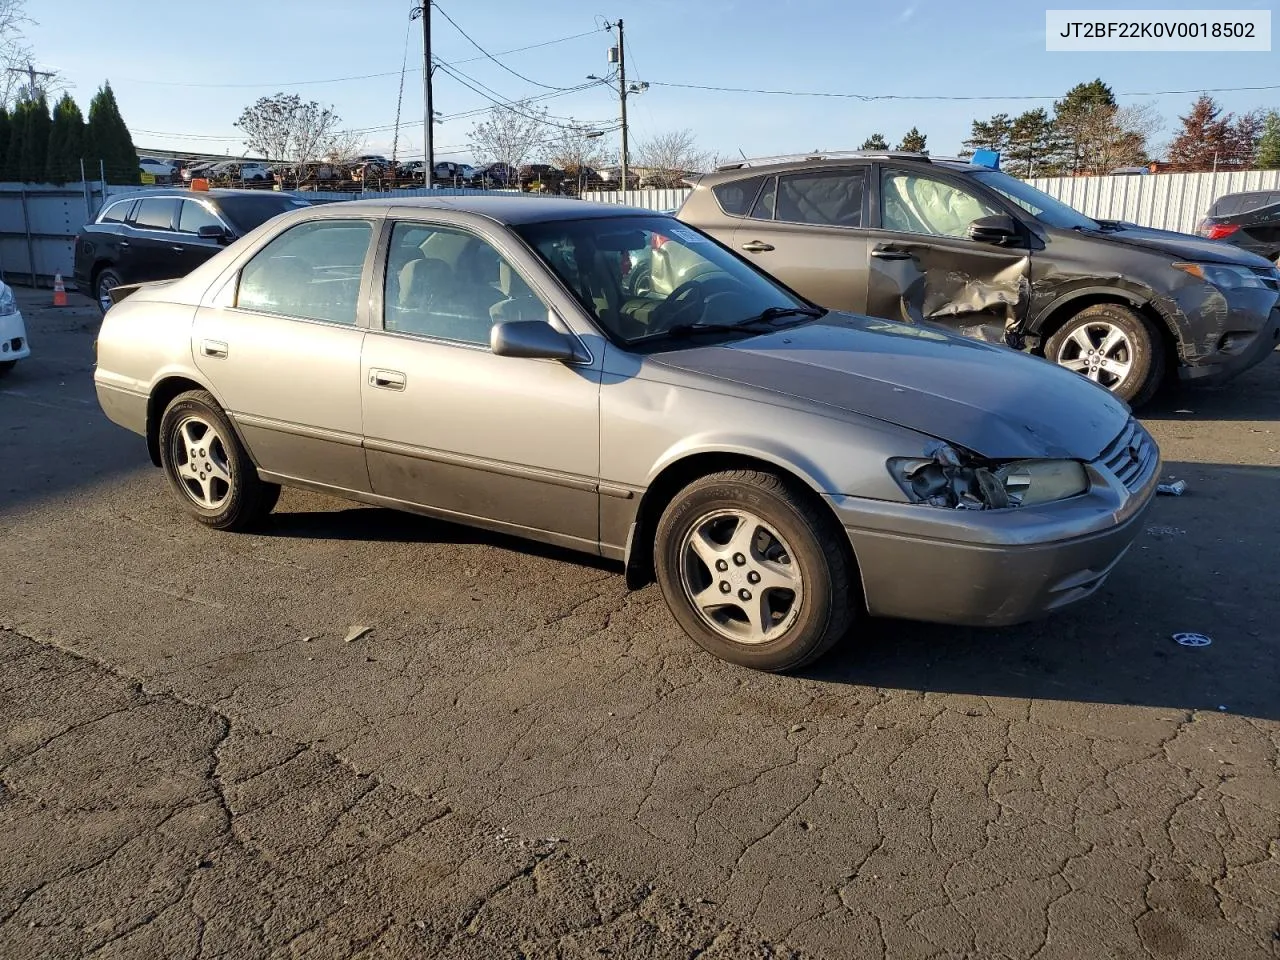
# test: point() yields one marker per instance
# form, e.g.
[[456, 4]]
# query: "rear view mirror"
[[532, 339], [997, 229]]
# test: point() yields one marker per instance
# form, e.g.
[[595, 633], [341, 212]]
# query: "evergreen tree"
[[990, 134], [1205, 138], [1269, 143], [37, 125], [15, 148], [66, 142], [1032, 144], [913, 141], [1082, 118], [4, 145], [875, 142], [109, 139]]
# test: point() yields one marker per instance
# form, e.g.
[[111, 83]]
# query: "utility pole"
[[31, 73], [428, 151], [622, 96]]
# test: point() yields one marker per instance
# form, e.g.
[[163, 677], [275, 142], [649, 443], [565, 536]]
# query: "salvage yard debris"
[[1175, 489]]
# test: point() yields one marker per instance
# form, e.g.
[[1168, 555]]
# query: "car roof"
[[143, 193], [511, 209], [727, 174]]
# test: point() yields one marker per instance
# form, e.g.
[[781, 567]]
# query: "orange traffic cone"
[[59, 291]]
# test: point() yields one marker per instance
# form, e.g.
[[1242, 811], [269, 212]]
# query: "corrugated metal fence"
[[1169, 201], [38, 224]]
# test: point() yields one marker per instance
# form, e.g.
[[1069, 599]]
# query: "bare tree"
[[14, 51], [509, 136], [577, 149], [669, 156], [285, 128], [1120, 136]]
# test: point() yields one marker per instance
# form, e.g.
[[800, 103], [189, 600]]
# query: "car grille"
[[1130, 456]]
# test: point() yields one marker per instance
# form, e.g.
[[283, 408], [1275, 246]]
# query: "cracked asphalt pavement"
[[522, 759]]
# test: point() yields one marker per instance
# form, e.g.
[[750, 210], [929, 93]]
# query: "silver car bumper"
[[997, 567]]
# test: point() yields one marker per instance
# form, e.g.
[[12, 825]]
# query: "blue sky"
[[189, 71]]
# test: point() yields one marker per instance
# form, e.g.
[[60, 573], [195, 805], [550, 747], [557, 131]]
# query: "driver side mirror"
[[532, 339], [998, 229], [213, 232]]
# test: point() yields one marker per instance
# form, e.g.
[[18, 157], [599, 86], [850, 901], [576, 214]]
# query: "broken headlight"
[[1224, 276], [947, 479]]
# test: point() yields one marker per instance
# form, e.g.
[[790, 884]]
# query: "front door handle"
[[124, 244], [387, 379], [757, 246], [177, 249], [214, 348], [890, 253]]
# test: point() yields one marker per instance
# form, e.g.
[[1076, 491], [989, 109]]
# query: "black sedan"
[[161, 235]]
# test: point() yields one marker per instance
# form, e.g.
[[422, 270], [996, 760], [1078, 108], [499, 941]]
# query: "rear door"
[[923, 265], [152, 244], [808, 230]]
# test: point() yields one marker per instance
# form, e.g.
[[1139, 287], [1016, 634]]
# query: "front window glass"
[[1039, 204], [911, 203], [451, 285], [310, 271], [656, 280], [194, 216]]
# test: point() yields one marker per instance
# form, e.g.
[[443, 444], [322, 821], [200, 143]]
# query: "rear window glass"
[[763, 208], [832, 199], [735, 197]]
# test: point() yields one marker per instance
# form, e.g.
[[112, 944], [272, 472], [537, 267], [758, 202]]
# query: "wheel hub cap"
[[201, 464], [1100, 351]]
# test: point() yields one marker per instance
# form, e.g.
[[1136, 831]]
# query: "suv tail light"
[[1217, 231]]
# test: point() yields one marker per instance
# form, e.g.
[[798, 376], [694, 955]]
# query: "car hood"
[[996, 402], [1181, 246]]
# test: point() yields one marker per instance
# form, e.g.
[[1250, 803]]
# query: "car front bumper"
[[1246, 337], [13, 338], [994, 567]]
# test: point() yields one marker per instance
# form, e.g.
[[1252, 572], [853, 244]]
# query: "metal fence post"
[[31, 250]]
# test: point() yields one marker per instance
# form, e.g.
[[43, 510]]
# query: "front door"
[[283, 355], [806, 229], [193, 250], [924, 267], [451, 427]]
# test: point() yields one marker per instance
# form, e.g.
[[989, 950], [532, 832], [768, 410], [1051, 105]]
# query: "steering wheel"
[[684, 299]]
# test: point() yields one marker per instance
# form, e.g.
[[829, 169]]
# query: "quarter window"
[[915, 204], [826, 198], [194, 216], [117, 212], [155, 214], [763, 207], [451, 285], [736, 196], [311, 271]]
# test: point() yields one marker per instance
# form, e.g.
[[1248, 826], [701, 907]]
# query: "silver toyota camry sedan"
[[617, 382]]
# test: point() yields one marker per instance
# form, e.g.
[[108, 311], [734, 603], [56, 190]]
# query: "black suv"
[[907, 237], [162, 235], [1249, 220]]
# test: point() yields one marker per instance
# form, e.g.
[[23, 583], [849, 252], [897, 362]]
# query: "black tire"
[[819, 548], [1146, 359], [105, 279], [6, 368], [246, 500]]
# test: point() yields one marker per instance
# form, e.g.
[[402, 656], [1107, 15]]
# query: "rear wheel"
[[1114, 346], [103, 284], [6, 368], [754, 571], [208, 468]]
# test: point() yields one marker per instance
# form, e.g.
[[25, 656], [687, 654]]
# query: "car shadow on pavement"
[[1255, 395], [376, 524], [1203, 563]]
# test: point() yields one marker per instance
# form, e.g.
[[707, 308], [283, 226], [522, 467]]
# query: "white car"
[[160, 169], [13, 332]]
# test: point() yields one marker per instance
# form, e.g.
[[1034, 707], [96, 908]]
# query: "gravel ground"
[[522, 759]]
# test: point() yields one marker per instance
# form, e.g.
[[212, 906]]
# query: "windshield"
[[249, 213], [642, 278], [1039, 204]]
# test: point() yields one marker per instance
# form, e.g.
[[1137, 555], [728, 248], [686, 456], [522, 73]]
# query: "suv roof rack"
[[826, 155]]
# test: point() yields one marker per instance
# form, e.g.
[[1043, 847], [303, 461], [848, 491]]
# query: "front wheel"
[[754, 571], [1114, 346], [207, 466]]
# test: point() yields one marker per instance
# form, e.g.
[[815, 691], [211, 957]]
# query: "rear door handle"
[[123, 244], [177, 249], [387, 379], [890, 253], [213, 348], [757, 246]]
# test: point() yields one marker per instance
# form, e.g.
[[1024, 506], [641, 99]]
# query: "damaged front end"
[[947, 478]]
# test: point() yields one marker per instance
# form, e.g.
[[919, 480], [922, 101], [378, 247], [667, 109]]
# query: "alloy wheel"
[[740, 576], [1100, 351], [200, 462]]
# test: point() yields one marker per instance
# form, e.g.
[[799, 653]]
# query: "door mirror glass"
[[998, 229], [533, 339]]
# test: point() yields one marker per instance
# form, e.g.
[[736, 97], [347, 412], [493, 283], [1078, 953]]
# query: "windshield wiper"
[[762, 322]]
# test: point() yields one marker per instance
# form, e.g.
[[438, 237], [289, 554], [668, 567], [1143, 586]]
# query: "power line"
[[899, 96], [362, 76], [513, 105], [545, 86]]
